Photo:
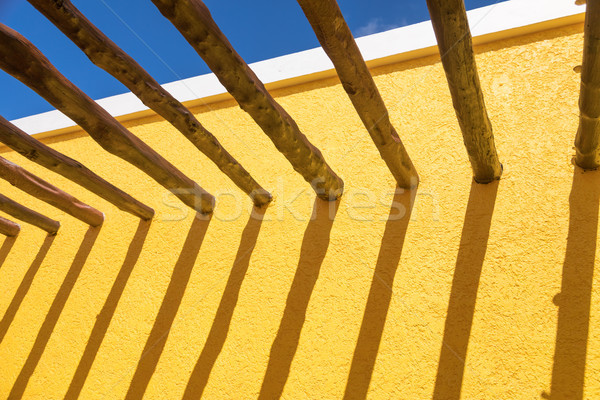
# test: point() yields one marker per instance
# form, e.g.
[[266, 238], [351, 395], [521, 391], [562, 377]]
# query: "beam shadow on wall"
[[574, 300], [7, 246], [108, 310], [312, 253], [53, 313], [220, 326], [380, 296], [24, 286], [463, 295], [168, 309]]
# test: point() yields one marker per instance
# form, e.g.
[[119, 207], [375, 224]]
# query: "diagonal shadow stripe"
[[313, 251], [575, 297], [23, 288], [380, 295], [463, 295], [108, 310], [168, 309], [220, 327], [7, 246], [53, 314]]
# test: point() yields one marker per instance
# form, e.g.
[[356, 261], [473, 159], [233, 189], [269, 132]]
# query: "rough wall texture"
[[375, 302]]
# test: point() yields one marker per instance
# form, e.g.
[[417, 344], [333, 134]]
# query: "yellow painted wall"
[[377, 302]]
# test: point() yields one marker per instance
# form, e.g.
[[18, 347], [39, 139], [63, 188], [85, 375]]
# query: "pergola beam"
[[73, 170], [107, 55], [25, 214], [336, 39], [42, 190], [587, 140], [25, 62], [9, 228], [449, 19], [192, 18]]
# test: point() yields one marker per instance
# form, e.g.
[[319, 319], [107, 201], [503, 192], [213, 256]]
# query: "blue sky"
[[258, 30]]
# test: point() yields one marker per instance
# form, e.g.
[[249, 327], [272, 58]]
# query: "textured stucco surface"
[[236, 307]]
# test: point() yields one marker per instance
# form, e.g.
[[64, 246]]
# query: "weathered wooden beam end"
[[587, 140], [449, 19], [9, 228], [42, 190], [336, 39], [73, 170], [29, 216]]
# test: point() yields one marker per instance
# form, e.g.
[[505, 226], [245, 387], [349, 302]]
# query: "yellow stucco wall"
[[377, 302]]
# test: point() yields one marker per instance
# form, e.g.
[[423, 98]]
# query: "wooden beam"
[[9, 228], [25, 62], [192, 18], [587, 140], [40, 189], [449, 19], [28, 215], [46, 156], [336, 39], [107, 55]]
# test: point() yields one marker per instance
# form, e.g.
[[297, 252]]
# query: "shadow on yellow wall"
[[107, 312], [7, 245], [380, 295], [314, 248], [463, 295], [168, 309], [25, 284], [574, 299], [220, 326], [54, 312]]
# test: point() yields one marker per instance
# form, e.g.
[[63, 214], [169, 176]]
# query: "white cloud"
[[376, 25]]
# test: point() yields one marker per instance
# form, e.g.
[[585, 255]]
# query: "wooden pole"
[[28, 215], [336, 39], [43, 155], [107, 55], [587, 140], [9, 228], [25, 62], [40, 189], [449, 19], [192, 18]]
